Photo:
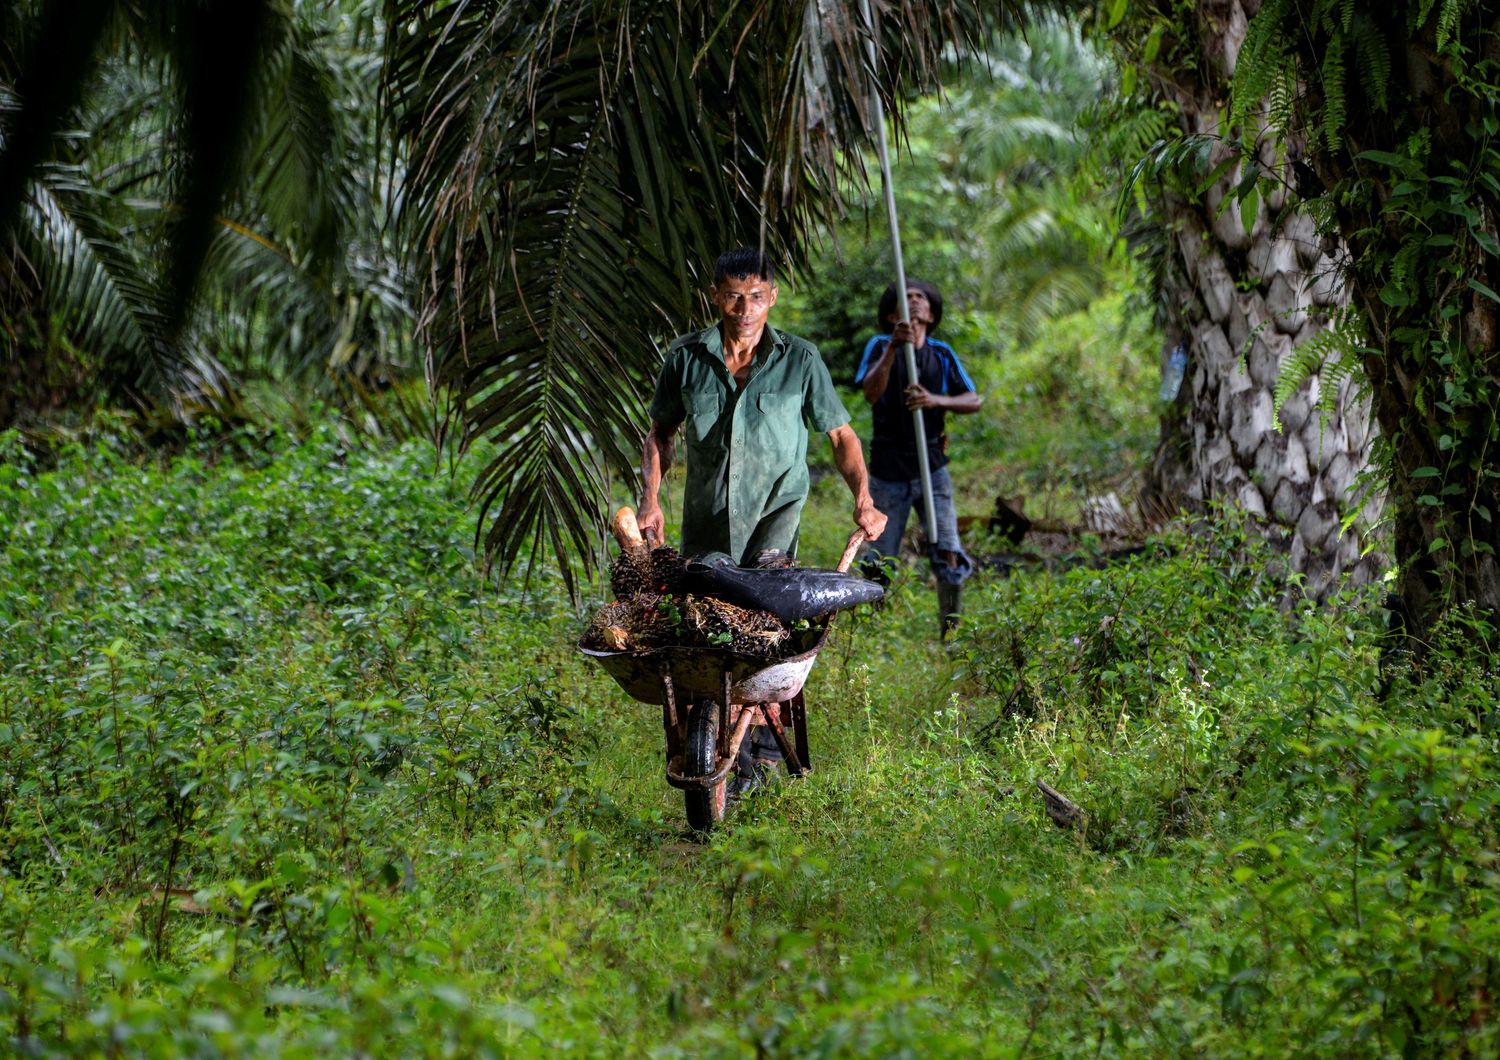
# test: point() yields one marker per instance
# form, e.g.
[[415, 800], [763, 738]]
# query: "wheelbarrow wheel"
[[705, 808]]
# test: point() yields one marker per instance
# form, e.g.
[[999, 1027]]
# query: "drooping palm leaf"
[[1047, 253], [88, 266], [48, 54], [573, 170], [296, 275], [1011, 139], [1019, 124]]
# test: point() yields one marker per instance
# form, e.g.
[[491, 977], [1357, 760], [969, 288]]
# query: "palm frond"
[[1021, 124], [1047, 254], [301, 173], [296, 277], [48, 68], [573, 170], [108, 295]]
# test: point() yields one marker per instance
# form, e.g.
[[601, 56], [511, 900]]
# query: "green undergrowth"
[[282, 774]]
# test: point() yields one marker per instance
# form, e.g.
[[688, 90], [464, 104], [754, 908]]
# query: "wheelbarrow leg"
[[789, 754], [671, 720], [798, 711], [725, 715]]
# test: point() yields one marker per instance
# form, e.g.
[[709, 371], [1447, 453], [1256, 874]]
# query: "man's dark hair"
[[742, 263], [888, 304]]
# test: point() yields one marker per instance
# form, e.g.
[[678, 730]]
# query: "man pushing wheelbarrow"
[[744, 395]]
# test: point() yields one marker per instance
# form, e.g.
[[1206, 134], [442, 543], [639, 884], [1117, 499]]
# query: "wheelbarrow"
[[711, 698]]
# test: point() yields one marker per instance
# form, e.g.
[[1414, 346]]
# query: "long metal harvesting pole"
[[877, 112]]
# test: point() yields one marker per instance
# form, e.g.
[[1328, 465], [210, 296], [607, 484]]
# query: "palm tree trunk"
[[1241, 301]]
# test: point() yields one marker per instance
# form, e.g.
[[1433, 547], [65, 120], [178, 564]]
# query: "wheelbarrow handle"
[[855, 540]]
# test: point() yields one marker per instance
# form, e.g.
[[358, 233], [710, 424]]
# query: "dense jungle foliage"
[[287, 770], [182, 249], [282, 775]]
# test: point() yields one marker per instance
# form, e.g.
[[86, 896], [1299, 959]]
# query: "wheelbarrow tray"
[[698, 673], [711, 696]]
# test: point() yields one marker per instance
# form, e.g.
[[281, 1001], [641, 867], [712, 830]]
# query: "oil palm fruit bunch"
[[632, 572], [668, 572], [629, 576]]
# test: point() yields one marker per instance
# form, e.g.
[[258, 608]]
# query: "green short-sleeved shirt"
[[746, 448]]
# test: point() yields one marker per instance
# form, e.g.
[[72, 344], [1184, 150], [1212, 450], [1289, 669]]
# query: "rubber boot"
[[948, 608]]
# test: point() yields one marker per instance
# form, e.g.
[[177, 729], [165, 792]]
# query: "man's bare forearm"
[[849, 458], [656, 458], [879, 375], [965, 403]]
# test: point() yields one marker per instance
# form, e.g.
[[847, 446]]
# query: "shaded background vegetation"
[[286, 769]]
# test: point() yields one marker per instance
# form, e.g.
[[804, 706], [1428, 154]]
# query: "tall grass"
[[281, 774]]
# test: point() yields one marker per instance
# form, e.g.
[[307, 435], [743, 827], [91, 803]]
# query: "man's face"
[[745, 303], [918, 308]]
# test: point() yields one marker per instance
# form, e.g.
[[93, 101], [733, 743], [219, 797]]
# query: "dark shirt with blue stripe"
[[893, 450]]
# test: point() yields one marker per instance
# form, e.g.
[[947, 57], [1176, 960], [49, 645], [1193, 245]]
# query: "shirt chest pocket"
[[779, 422], [703, 412]]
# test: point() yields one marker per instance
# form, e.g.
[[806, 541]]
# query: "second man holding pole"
[[941, 386]]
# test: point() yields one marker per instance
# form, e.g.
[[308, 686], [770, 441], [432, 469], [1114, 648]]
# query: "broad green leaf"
[[1153, 42], [1217, 173], [1393, 161], [1488, 292], [1250, 208], [1394, 296], [1486, 241]]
